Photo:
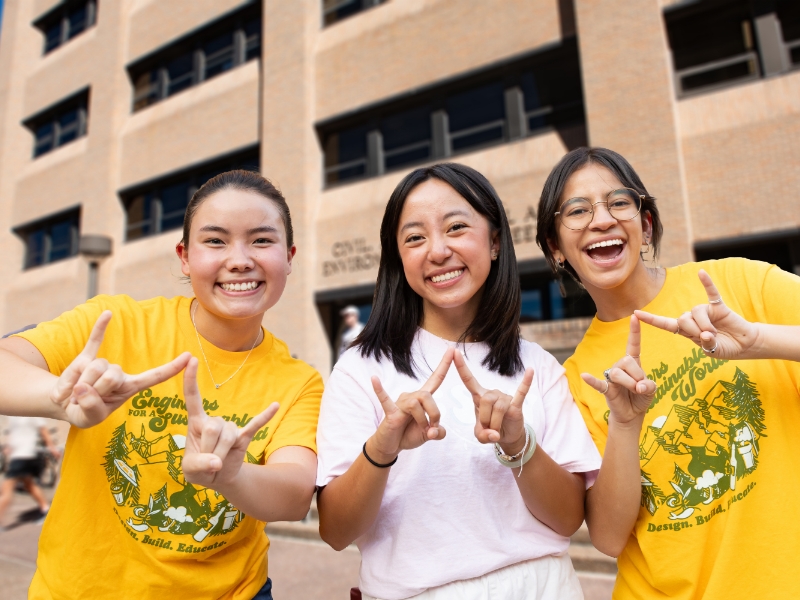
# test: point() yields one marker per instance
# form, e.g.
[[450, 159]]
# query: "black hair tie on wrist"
[[380, 466]]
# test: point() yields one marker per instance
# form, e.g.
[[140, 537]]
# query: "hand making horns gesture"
[[713, 326], [498, 416], [215, 448], [91, 388], [628, 392], [414, 418]]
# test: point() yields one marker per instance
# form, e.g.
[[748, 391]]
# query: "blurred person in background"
[[352, 327], [23, 438]]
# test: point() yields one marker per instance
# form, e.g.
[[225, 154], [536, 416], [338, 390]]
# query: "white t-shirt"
[[450, 511], [23, 436]]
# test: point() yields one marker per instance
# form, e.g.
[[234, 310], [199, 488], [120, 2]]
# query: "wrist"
[[513, 448], [633, 425], [379, 454]]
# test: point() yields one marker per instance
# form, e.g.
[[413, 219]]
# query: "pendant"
[[216, 385]]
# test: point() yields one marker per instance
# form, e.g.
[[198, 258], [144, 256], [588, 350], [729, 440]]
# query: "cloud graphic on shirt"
[[178, 514], [707, 479]]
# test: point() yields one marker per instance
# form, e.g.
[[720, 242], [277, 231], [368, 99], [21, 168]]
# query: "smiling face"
[[607, 252], [446, 248], [237, 256]]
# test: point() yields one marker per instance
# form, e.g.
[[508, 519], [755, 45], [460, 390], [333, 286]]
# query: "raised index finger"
[[711, 289], [95, 340], [634, 347], [437, 377], [467, 377], [194, 405]]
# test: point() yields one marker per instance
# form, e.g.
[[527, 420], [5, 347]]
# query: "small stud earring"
[[494, 254], [560, 263]]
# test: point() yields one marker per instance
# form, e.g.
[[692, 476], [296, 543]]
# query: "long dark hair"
[[397, 309], [554, 187]]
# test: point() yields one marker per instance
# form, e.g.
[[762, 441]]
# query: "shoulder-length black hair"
[[397, 309], [550, 199]]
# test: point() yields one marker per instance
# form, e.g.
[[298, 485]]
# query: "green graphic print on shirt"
[[146, 481], [705, 447]]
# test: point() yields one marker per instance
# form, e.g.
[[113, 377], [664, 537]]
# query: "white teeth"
[[446, 276], [605, 243], [239, 287]]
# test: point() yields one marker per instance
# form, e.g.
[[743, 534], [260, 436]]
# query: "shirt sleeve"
[[348, 416], [298, 427], [565, 439], [63, 338], [780, 294]]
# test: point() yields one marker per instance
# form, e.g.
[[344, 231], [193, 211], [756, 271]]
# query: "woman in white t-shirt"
[[487, 511]]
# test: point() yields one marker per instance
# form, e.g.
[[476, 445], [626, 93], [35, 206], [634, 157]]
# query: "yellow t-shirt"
[[124, 523], [719, 448]]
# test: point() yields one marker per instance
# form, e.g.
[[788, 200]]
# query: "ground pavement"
[[301, 568]]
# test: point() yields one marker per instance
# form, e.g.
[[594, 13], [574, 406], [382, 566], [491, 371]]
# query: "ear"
[[183, 255], [495, 242], [289, 256], [647, 227], [554, 250]]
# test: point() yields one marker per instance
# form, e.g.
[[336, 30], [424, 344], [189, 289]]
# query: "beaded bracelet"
[[521, 457]]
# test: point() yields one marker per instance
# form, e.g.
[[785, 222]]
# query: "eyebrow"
[[452, 213], [254, 230]]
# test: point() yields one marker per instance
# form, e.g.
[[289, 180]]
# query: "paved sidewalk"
[[300, 569]]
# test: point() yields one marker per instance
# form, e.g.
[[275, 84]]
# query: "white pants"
[[545, 578]]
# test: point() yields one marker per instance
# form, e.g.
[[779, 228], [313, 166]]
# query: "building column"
[[631, 108], [291, 158]]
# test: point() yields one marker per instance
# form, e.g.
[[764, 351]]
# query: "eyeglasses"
[[623, 204]]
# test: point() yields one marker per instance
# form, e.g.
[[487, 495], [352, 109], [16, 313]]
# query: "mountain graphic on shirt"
[[702, 449]]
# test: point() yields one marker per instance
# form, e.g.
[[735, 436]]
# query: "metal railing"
[[748, 58]]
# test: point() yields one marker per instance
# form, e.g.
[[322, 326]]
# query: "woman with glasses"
[[699, 452]]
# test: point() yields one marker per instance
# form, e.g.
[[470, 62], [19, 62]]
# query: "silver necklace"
[[203, 352]]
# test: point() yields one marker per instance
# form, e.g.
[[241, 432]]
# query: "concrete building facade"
[[113, 112]]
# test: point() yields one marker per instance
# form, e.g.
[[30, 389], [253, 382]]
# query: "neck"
[[636, 292], [231, 335], [449, 323]]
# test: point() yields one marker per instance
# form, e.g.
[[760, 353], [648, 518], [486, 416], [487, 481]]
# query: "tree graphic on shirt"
[[117, 449], [743, 397]]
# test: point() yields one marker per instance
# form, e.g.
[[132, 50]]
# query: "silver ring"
[[607, 374], [717, 301], [605, 391], [678, 331], [714, 349]]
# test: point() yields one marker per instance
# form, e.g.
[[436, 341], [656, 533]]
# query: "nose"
[[439, 251], [601, 219], [239, 257]]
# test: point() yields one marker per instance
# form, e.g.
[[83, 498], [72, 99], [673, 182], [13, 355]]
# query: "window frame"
[[53, 114], [59, 17], [149, 74], [544, 62], [190, 175], [45, 225]]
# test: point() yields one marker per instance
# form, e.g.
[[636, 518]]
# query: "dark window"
[[346, 155], [525, 97], [160, 205], [330, 303], [779, 248], [789, 17], [65, 21], [221, 46], [717, 43], [407, 137], [542, 300], [476, 116], [59, 124], [334, 11], [51, 239]]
